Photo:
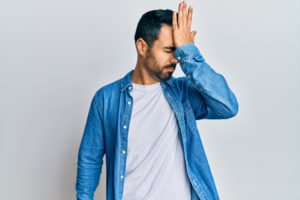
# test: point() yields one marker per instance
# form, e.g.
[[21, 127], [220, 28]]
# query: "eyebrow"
[[170, 48]]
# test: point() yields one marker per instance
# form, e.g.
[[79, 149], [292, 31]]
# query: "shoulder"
[[108, 90]]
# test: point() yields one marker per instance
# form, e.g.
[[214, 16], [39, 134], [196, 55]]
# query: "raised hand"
[[182, 27]]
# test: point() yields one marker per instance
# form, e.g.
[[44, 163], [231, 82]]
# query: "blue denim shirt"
[[201, 94]]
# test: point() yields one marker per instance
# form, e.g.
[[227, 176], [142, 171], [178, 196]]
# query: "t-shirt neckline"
[[146, 87]]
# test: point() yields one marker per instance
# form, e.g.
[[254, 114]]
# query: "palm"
[[182, 27]]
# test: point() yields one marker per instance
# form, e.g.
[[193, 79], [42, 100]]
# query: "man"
[[145, 122]]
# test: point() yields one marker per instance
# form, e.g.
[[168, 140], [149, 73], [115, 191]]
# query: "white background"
[[54, 55]]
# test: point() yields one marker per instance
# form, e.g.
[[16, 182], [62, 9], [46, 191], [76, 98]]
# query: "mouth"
[[171, 69]]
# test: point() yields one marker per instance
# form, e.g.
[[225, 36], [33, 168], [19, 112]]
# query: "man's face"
[[160, 61]]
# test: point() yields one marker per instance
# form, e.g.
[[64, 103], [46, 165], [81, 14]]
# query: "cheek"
[[161, 59]]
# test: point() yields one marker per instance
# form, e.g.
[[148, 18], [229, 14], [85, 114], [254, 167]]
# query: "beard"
[[162, 74]]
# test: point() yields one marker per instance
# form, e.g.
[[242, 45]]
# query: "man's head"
[[154, 43], [150, 23]]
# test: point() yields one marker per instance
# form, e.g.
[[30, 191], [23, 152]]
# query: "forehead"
[[165, 37]]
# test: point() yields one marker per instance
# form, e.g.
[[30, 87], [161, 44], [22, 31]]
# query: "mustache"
[[171, 65]]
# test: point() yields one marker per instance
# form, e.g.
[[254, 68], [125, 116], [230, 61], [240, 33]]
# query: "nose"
[[173, 60]]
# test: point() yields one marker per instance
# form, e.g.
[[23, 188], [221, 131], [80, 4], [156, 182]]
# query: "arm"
[[90, 156], [208, 92]]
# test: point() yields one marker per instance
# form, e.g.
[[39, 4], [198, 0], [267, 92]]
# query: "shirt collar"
[[126, 81]]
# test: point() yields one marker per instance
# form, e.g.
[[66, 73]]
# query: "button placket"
[[123, 151]]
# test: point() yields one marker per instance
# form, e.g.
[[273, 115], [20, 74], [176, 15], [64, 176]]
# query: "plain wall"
[[54, 55]]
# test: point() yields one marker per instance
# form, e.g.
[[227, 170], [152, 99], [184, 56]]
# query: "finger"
[[184, 20], [180, 15], [174, 21], [189, 17]]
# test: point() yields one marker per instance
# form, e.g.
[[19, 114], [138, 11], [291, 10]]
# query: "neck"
[[142, 76]]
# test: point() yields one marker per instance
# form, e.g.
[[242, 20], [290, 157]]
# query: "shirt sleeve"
[[208, 92], [90, 156]]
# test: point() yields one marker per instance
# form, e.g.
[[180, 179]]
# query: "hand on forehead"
[[182, 25]]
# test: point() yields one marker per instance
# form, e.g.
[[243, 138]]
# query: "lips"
[[171, 69]]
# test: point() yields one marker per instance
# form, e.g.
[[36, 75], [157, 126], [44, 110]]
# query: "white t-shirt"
[[155, 168]]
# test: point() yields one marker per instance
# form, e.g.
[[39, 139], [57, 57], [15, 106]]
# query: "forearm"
[[211, 86], [88, 173]]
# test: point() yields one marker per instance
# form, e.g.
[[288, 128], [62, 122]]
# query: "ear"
[[141, 47]]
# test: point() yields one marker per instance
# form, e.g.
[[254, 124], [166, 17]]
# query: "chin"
[[167, 77]]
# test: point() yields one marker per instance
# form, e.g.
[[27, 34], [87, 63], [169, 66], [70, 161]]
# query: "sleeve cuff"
[[188, 51]]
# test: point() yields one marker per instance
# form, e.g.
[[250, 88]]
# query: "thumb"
[[193, 34]]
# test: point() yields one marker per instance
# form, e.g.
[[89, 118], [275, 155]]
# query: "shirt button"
[[129, 102], [122, 177], [123, 152], [129, 87], [178, 58], [124, 126], [189, 76]]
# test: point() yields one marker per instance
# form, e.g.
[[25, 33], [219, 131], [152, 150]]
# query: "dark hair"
[[150, 23]]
